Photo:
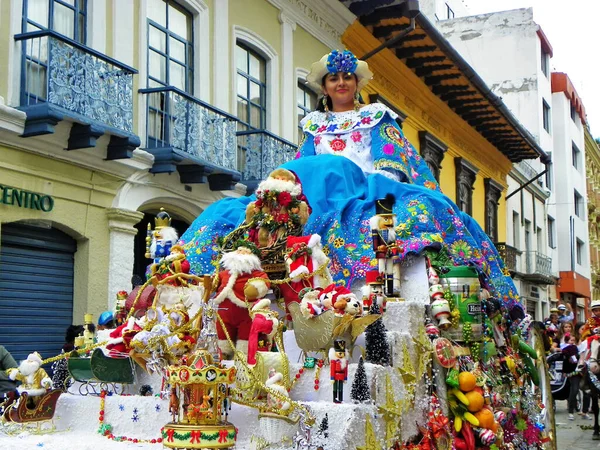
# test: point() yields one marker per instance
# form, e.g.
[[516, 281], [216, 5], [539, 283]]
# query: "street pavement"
[[569, 433]]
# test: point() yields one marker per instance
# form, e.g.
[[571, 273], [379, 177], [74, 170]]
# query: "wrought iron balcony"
[[538, 267], [63, 79], [192, 137], [260, 152], [509, 255]]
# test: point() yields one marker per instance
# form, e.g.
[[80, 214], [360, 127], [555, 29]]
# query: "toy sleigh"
[[317, 333]]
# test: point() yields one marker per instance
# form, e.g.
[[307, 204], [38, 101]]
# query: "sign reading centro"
[[25, 199]]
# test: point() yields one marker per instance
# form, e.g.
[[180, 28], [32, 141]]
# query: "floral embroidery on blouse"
[[337, 144], [356, 136]]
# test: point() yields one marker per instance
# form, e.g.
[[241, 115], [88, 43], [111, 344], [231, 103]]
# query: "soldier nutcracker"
[[384, 244], [338, 360], [373, 291]]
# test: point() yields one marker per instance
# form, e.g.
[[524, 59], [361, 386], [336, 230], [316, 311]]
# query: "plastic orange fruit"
[[475, 401], [466, 381], [486, 418]]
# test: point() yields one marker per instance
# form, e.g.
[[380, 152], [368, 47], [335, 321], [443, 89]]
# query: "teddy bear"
[[342, 300]]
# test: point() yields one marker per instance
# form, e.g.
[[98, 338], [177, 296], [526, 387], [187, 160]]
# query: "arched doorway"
[[141, 262], [36, 288]]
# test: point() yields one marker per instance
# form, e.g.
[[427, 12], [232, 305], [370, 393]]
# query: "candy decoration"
[[444, 352], [487, 437], [500, 417]]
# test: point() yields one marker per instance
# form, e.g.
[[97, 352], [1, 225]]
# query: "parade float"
[[267, 353]]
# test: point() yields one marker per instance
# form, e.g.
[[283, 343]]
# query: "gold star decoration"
[[423, 348], [371, 442]]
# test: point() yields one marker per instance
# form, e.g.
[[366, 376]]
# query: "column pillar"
[[222, 52], [288, 78], [121, 250]]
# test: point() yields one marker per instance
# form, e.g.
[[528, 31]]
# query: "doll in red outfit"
[[304, 255], [263, 329], [241, 278]]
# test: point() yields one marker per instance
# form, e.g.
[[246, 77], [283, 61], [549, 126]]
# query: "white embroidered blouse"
[[348, 134]]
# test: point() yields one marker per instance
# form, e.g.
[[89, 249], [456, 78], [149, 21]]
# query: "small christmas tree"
[[60, 375], [377, 347], [360, 387], [324, 427]]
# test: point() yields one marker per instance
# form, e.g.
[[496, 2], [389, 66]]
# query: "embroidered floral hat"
[[339, 61]]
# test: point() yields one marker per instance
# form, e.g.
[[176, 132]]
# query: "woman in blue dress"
[[351, 156]]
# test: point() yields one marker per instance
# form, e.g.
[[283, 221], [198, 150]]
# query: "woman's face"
[[341, 88], [567, 328]]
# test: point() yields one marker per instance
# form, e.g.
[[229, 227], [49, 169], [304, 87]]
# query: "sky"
[[573, 29]]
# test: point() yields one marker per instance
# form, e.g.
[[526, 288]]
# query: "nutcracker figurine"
[[384, 244], [338, 360], [373, 292]]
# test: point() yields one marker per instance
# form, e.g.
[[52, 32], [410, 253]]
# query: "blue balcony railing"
[[260, 152], [90, 86], [182, 122]]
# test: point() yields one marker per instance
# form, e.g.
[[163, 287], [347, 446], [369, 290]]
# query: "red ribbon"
[[170, 433], [223, 435], [195, 436]]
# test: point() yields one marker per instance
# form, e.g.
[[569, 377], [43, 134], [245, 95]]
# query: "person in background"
[[563, 316], [7, 386], [592, 325], [106, 321], [565, 328], [571, 354], [582, 347]]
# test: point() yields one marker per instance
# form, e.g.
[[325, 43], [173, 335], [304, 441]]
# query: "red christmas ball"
[[159, 440]]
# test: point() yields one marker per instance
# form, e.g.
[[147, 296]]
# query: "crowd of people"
[[570, 339]]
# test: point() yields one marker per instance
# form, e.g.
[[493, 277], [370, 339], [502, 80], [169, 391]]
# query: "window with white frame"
[[546, 116], [578, 202], [545, 63], [516, 225], [576, 155], [551, 232], [306, 102], [251, 82], [170, 46], [67, 17], [579, 251]]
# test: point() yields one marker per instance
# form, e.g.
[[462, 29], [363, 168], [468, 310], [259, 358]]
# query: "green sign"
[[25, 199]]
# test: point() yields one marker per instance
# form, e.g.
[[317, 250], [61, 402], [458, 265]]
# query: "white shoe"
[[571, 417], [586, 417]]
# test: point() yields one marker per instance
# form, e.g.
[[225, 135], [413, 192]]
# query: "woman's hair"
[[578, 326], [561, 329], [320, 107]]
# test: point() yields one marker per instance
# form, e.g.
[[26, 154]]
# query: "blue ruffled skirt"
[[343, 199]]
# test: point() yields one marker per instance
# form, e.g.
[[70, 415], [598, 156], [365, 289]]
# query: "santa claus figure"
[[373, 291], [174, 263], [263, 329], [34, 380], [275, 382], [240, 279], [306, 264], [280, 208], [119, 344]]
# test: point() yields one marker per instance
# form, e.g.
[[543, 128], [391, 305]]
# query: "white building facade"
[[512, 54]]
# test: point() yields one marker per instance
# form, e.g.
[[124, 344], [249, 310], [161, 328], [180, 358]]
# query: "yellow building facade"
[[592, 167]]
